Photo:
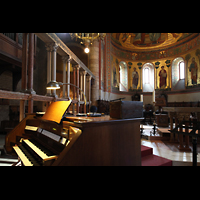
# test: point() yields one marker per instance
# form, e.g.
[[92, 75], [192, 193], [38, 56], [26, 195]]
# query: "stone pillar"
[[64, 59], [31, 64], [24, 61], [94, 68], [53, 65], [30, 71], [84, 82], [84, 88], [24, 74], [89, 89], [74, 89], [74, 77], [81, 84], [68, 76], [48, 48], [77, 83]]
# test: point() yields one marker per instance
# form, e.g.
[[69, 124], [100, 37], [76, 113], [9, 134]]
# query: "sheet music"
[[56, 111]]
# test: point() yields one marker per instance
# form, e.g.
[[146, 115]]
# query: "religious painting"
[[193, 69], [163, 77], [192, 64], [146, 40], [115, 73], [135, 78]]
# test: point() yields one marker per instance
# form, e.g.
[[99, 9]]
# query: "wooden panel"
[[105, 143], [11, 137], [10, 49], [126, 109]]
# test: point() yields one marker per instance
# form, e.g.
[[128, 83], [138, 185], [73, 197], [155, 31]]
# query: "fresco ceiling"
[[150, 41]]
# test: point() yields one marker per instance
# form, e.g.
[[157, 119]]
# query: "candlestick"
[[141, 97], [154, 97]]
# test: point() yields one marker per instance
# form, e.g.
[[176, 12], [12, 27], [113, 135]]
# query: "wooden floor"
[[160, 149]]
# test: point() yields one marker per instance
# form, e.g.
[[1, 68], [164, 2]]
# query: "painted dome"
[[150, 41], [152, 46]]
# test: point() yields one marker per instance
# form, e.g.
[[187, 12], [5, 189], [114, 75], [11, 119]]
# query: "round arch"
[[177, 83], [123, 76], [148, 77]]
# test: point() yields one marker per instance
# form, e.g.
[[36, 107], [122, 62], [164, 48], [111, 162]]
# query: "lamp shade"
[[53, 85]]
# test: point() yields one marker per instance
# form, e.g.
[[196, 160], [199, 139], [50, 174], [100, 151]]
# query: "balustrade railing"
[[14, 36]]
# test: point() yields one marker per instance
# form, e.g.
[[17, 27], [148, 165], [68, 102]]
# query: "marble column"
[[64, 59], [89, 78], [77, 83], [68, 76], [24, 74], [30, 71], [53, 65], [84, 88], [81, 85], [48, 48], [74, 89], [31, 64], [84, 81], [94, 68]]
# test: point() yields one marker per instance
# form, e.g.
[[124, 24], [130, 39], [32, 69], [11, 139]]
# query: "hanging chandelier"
[[87, 38]]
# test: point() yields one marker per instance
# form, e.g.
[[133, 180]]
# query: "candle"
[[141, 97], [153, 98]]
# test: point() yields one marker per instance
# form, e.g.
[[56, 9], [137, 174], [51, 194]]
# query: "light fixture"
[[54, 85], [87, 38], [86, 50]]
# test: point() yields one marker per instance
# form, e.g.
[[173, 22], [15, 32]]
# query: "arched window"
[[181, 70], [123, 71], [148, 77], [178, 74]]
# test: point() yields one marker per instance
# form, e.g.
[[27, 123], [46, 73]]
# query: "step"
[[148, 159], [153, 160], [145, 151]]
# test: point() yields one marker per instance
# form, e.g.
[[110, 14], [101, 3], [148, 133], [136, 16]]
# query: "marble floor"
[[160, 149]]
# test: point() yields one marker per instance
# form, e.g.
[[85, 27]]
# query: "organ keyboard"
[[45, 144], [75, 141]]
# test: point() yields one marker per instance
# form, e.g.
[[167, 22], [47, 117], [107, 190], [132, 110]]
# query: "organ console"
[[75, 141]]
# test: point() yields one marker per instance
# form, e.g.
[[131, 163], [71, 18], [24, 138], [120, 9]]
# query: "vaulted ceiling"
[[150, 41]]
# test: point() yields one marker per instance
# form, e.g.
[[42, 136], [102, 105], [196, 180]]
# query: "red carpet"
[[148, 159]]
